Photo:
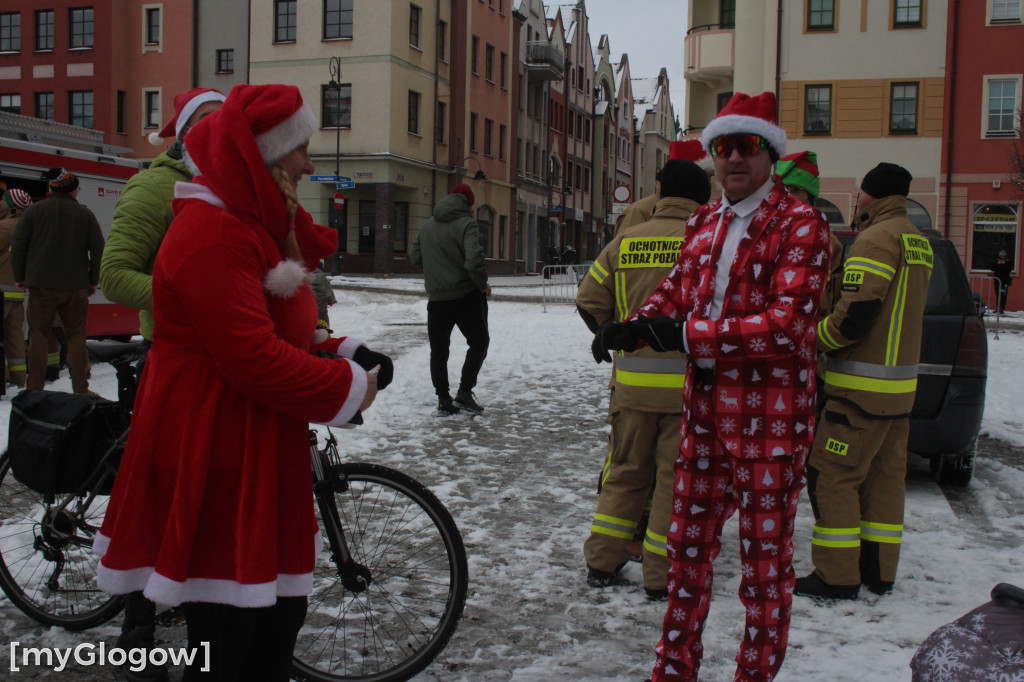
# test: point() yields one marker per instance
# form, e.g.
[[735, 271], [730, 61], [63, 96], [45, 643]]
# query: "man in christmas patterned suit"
[[742, 300]]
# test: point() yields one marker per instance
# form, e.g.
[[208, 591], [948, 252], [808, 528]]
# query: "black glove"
[[368, 359], [612, 336], [662, 333]]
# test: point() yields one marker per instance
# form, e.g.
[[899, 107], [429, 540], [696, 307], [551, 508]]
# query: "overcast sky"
[[651, 32]]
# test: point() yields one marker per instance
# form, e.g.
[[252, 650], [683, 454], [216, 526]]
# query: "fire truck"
[[29, 147]]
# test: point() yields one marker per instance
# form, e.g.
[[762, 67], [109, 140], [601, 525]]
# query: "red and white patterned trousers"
[[707, 492]]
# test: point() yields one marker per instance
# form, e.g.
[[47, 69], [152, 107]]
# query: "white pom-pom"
[[155, 139], [284, 279], [320, 335]]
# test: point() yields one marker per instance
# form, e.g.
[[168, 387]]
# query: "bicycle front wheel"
[[47, 567], [402, 533]]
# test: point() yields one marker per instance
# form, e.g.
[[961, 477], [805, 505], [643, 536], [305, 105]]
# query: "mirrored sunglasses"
[[747, 144]]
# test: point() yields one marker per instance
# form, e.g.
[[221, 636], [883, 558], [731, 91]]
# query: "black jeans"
[[245, 643], [469, 314]]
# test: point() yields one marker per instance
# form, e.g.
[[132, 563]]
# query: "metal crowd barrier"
[[986, 288], [561, 283]]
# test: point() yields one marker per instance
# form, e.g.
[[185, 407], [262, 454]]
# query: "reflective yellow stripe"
[[873, 266], [16, 364], [888, 533], [53, 358], [609, 525], [14, 295], [620, 295], [826, 337], [607, 467], [870, 369], [650, 380], [890, 386], [598, 273], [836, 537], [658, 544], [892, 347]]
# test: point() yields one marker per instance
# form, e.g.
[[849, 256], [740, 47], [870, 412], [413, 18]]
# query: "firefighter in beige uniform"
[[858, 463], [646, 386]]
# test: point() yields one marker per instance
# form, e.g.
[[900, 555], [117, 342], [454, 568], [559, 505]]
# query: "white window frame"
[[158, 46], [990, 10], [147, 129], [986, 80]]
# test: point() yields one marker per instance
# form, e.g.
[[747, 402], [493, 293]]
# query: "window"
[[488, 126], [80, 107], [1005, 10], [367, 226], [502, 228], [821, 15], [501, 142], [336, 105], [722, 98], [903, 114], [504, 69], [489, 63], [44, 105], [472, 132], [442, 40], [119, 114], [80, 31], [337, 19], [400, 233], [44, 30], [152, 28], [1001, 105], [995, 230], [727, 14], [485, 219], [10, 103], [226, 61], [472, 58], [414, 112], [414, 25], [907, 13], [285, 21], [818, 109], [439, 122], [152, 119], [10, 32]]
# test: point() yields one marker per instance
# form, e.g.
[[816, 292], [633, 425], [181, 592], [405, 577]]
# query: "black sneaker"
[[141, 637], [466, 401], [656, 595], [813, 586], [598, 578], [445, 406]]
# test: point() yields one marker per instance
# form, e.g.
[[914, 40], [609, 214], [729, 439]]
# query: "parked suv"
[[953, 369]]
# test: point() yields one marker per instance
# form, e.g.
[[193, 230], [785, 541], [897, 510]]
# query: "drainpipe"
[[778, 53], [952, 115], [437, 124]]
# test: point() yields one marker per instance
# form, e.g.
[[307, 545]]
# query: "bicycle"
[[389, 589]]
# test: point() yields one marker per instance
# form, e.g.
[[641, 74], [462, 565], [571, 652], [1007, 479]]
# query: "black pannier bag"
[[56, 440]]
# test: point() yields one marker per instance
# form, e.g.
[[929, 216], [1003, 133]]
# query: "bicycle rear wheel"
[[419, 577], [47, 568]]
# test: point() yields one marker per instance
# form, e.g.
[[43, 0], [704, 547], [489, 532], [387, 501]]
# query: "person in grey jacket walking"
[[449, 251]]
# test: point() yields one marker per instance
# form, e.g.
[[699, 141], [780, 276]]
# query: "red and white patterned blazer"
[[762, 402]]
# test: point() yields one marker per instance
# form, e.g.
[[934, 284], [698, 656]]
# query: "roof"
[[646, 94]]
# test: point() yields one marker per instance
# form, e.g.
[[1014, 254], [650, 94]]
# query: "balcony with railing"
[[710, 53], [544, 61]]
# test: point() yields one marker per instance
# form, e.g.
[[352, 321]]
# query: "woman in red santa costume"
[[213, 507]]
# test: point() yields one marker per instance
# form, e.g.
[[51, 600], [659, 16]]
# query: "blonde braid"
[[291, 244]]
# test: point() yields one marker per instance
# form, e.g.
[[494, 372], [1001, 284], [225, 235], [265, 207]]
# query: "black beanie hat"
[[887, 179], [685, 179], [61, 180]]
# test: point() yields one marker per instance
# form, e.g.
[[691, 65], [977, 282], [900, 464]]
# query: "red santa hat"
[[185, 104], [686, 150], [466, 191], [746, 114]]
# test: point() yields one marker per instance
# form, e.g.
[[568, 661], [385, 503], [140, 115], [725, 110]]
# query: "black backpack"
[[56, 440]]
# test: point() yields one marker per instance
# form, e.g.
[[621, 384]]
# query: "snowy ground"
[[520, 480]]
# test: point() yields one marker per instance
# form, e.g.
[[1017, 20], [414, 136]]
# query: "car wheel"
[[955, 468]]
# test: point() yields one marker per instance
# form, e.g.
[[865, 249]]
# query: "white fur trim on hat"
[[733, 124], [190, 108], [284, 279], [286, 135]]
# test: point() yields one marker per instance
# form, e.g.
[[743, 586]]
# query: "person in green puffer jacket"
[[144, 212], [448, 249], [141, 218]]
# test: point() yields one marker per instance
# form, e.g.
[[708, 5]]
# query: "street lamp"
[[460, 170], [335, 86]]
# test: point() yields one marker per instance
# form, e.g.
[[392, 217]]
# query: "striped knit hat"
[[800, 170], [62, 180], [17, 198]]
